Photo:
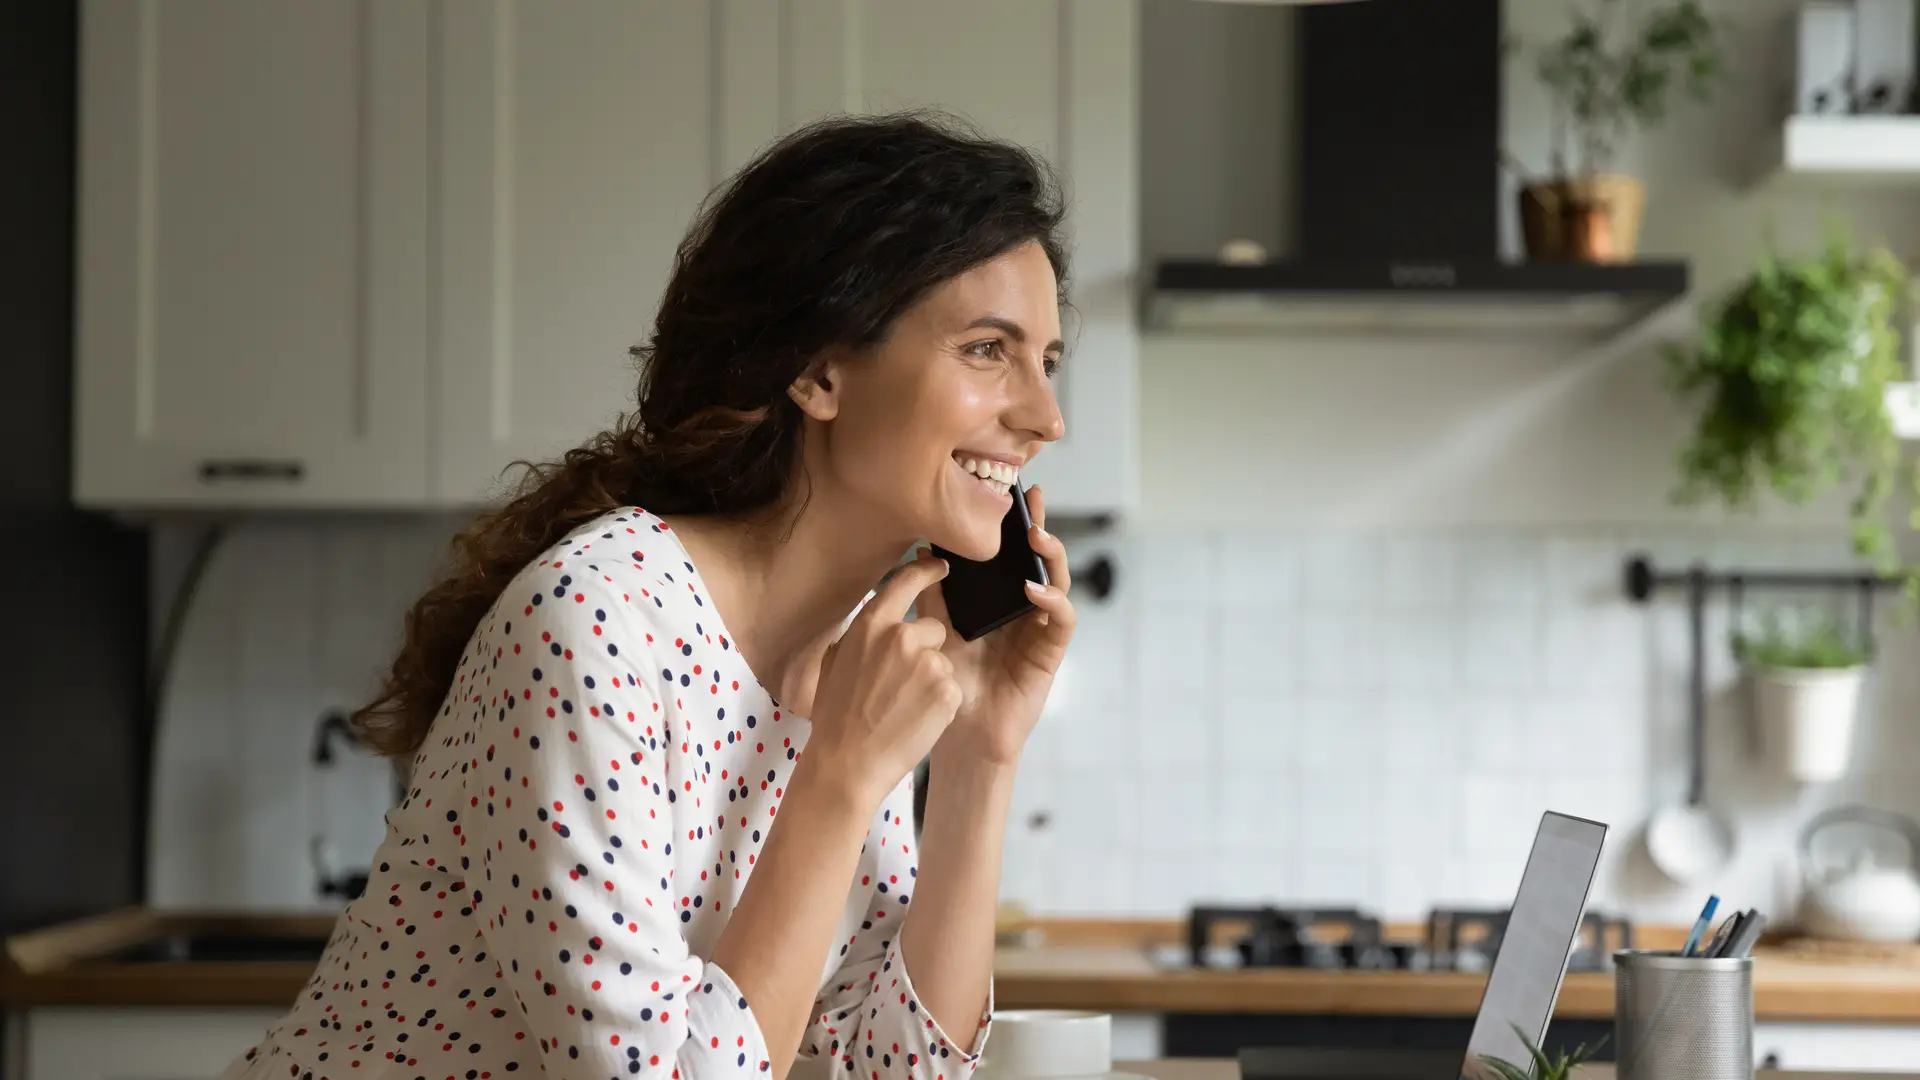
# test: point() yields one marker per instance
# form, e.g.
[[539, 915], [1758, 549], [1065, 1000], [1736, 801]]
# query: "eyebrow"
[[1011, 329]]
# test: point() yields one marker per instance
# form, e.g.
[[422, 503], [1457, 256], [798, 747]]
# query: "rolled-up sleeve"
[[566, 802], [868, 1020]]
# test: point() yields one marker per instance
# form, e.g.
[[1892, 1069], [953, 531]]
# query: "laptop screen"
[[1541, 927]]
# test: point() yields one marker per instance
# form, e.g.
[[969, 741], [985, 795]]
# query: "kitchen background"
[[1369, 619]]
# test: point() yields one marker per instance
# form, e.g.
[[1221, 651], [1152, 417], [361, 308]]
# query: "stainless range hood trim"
[[1589, 302], [1592, 318]]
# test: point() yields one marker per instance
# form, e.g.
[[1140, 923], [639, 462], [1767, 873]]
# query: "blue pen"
[[1700, 925]]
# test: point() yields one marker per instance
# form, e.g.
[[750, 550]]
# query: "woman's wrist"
[[965, 748], [836, 788], [972, 768]]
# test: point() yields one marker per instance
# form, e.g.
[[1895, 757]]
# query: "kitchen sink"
[[220, 948]]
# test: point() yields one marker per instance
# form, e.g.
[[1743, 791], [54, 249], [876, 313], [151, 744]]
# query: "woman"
[[659, 821]]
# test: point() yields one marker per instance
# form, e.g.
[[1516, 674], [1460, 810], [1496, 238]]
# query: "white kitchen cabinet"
[[577, 143], [1838, 1047], [338, 254], [1059, 76], [89, 1043], [252, 253]]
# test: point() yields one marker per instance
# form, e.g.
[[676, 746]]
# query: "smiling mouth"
[[997, 476]]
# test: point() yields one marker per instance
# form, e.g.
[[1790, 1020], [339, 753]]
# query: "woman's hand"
[[887, 690], [1005, 676]]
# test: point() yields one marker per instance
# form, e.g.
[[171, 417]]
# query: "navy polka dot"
[[598, 937]]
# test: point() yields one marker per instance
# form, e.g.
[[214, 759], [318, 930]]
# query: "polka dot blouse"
[[584, 815]]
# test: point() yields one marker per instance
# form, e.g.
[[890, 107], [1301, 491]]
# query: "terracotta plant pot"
[[1587, 230], [1557, 218]]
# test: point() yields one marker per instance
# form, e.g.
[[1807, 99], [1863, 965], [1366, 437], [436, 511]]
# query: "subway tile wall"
[[1371, 718], [1381, 718]]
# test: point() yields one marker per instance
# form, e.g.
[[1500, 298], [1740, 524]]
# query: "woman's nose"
[[1036, 410]]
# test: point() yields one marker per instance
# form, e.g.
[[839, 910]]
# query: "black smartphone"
[[984, 596]]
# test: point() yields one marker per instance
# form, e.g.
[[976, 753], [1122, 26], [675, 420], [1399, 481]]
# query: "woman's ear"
[[815, 392]]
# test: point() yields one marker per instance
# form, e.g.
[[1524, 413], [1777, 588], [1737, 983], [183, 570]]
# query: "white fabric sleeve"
[[566, 804], [868, 1021]]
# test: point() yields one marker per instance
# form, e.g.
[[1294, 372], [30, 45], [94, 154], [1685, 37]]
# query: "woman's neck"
[[783, 585]]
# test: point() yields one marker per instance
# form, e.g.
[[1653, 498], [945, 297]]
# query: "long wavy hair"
[[822, 241]]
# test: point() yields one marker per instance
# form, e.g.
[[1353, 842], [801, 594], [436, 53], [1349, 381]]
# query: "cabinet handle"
[[214, 471]]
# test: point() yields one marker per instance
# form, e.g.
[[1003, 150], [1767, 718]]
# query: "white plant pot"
[[1807, 718]]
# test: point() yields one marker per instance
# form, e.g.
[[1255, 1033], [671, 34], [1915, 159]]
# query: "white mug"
[[1047, 1044]]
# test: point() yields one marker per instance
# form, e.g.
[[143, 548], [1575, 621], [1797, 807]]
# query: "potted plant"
[[1794, 364], [1805, 680], [1540, 1065], [1610, 72]]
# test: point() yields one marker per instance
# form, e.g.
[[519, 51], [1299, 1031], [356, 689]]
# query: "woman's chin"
[[970, 540]]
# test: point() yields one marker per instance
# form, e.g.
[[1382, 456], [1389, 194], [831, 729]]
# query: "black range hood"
[[1400, 135]]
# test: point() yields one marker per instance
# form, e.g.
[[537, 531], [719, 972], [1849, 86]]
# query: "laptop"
[[1522, 985]]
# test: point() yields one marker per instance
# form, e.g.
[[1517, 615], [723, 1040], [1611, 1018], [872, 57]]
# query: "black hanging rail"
[[1642, 579]]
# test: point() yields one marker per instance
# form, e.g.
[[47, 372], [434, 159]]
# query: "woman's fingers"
[[931, 605], [1037, 506], [896, 595], [1053, 603], [1053, 555], [924, 634], [1050, 598]]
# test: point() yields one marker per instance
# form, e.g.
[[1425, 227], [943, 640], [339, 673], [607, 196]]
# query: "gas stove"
[[1347, 939]]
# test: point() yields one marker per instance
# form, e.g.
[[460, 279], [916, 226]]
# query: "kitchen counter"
[[1122, 979], [1227, 1069], [71, 964], [1085, 964]]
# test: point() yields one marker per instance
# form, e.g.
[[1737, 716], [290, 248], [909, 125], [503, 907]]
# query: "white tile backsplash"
[[1257, 715], [1499, 651], [1259, 572], [1256, 653]]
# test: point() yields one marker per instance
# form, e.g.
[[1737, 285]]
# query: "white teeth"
[[997, 475], [990, 470]]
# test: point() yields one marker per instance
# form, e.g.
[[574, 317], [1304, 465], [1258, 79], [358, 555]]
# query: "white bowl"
[[1043, 1044]]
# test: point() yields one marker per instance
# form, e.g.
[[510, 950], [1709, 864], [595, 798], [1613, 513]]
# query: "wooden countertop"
[[58, 965], [1120, 979], [1227, 1069], [1084, 964]]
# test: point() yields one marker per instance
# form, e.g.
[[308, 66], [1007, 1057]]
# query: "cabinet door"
[[81, 1043], [578, 141], [1057, 76], [1836, 1048], [252, 253]]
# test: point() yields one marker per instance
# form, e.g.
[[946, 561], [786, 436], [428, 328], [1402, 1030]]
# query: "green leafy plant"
[[1541, 1065], [1617, 67], [1815, 641], [1794, 365]]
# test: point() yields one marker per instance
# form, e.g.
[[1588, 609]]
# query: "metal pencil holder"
[[1682, 1017]]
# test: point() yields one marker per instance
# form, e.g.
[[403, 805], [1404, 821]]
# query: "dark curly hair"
[[823, 240]]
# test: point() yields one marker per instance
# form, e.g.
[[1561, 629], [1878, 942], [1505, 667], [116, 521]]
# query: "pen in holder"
[[1681, 1017]]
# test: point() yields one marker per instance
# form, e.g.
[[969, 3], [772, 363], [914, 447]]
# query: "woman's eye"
[[1050, 365], [984, 349]]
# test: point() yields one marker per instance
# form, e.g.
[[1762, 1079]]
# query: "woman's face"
[[929, 429]]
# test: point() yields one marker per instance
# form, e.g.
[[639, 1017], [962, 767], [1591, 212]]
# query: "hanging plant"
[[1794, 365]]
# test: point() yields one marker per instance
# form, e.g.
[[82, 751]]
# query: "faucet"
[[332, 723]]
